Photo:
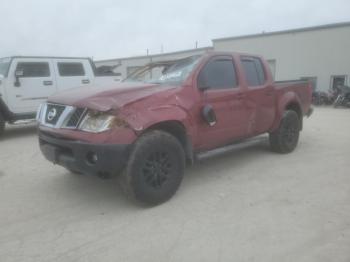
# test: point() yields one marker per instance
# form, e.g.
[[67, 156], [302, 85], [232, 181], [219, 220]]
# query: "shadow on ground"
[[13, 132], [94, 190]]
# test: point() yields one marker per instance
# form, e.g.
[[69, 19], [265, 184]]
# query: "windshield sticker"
[[171, 75]]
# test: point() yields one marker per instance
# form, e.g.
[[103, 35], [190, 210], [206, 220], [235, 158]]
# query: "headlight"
[[96, 122]]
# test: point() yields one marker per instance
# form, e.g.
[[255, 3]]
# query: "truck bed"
[[298, 87]]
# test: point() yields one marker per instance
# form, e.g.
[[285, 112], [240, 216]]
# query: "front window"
[[34, 69], [4, 66], [165, 72], [218, 74]]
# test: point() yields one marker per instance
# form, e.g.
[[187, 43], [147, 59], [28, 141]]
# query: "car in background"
[[27, 81]]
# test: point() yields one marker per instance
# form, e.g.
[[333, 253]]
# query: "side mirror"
[[18, 75], [209, 115]]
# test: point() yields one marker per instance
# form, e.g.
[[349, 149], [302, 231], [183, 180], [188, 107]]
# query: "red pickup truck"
[[165, 115]]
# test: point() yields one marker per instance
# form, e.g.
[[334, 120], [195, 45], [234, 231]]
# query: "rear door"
[[225, 96], [260, 97], [34, 87], [73, 73]]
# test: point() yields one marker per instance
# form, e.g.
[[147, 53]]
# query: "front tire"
[[286, 137], [2, 125], [155, 168]]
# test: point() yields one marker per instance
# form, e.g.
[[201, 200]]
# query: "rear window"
[[70, 69], [34, 69], [254, 71]]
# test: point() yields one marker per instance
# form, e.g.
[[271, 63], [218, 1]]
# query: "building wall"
[[319, 53], [128, 64]]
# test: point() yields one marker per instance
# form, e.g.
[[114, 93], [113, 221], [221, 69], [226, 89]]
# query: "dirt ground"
[[249, 205]]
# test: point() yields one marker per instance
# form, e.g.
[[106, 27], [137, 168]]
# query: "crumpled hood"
[[107, 98]]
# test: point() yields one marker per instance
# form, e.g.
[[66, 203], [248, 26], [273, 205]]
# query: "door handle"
[[47, 83], [85, 81]]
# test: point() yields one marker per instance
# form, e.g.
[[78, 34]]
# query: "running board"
[[230, 148]]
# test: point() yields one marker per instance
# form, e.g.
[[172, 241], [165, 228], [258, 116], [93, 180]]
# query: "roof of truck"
[[57, 57]]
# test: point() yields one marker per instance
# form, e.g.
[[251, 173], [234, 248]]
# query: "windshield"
[[165, 72], [4, 66]]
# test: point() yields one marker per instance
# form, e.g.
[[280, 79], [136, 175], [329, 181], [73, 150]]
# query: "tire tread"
[[140, 149], [276, 142]]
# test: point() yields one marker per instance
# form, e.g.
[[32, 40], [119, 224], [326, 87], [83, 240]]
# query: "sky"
[[106, 29]]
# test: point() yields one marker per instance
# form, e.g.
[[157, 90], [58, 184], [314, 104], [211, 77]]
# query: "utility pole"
[[147, 51], [196, 44], [161, 49]]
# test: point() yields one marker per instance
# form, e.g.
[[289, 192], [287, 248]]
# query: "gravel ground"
[[249, 205]]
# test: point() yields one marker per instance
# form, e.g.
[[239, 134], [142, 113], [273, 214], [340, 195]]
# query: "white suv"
[[26, 82]]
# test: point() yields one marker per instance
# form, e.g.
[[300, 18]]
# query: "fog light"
[[91, 158]]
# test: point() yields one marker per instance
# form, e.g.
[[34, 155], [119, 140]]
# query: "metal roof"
[[157, 55], [297, 30], [53, 57]]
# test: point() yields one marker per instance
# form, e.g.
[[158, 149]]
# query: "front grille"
[[53, 113], [75, 118], [60, 116]]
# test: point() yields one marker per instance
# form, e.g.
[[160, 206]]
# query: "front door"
[[225, 96], [33, 87]]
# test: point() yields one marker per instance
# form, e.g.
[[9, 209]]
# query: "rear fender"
[[284, 101]]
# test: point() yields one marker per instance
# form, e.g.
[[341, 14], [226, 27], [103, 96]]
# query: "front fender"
[[143, 119]]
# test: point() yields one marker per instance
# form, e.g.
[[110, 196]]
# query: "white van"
[[26, 82]]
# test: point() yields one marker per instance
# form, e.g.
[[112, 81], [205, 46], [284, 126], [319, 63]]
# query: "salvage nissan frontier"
[[165, 115]]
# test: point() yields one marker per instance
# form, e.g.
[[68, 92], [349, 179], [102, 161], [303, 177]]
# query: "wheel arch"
[[177, 129], [4, 111], [289, 101], [295, 106]]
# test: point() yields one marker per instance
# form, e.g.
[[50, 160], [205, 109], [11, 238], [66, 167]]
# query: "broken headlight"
[[96, 122]]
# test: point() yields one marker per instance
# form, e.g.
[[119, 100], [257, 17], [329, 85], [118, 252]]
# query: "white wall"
[[321, 53]]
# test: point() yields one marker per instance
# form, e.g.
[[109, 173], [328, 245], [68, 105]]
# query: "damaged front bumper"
[[97, 159]]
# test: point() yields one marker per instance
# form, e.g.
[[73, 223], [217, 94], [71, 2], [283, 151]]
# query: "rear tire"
[[155, 168], [285, 138], [2, 124]]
